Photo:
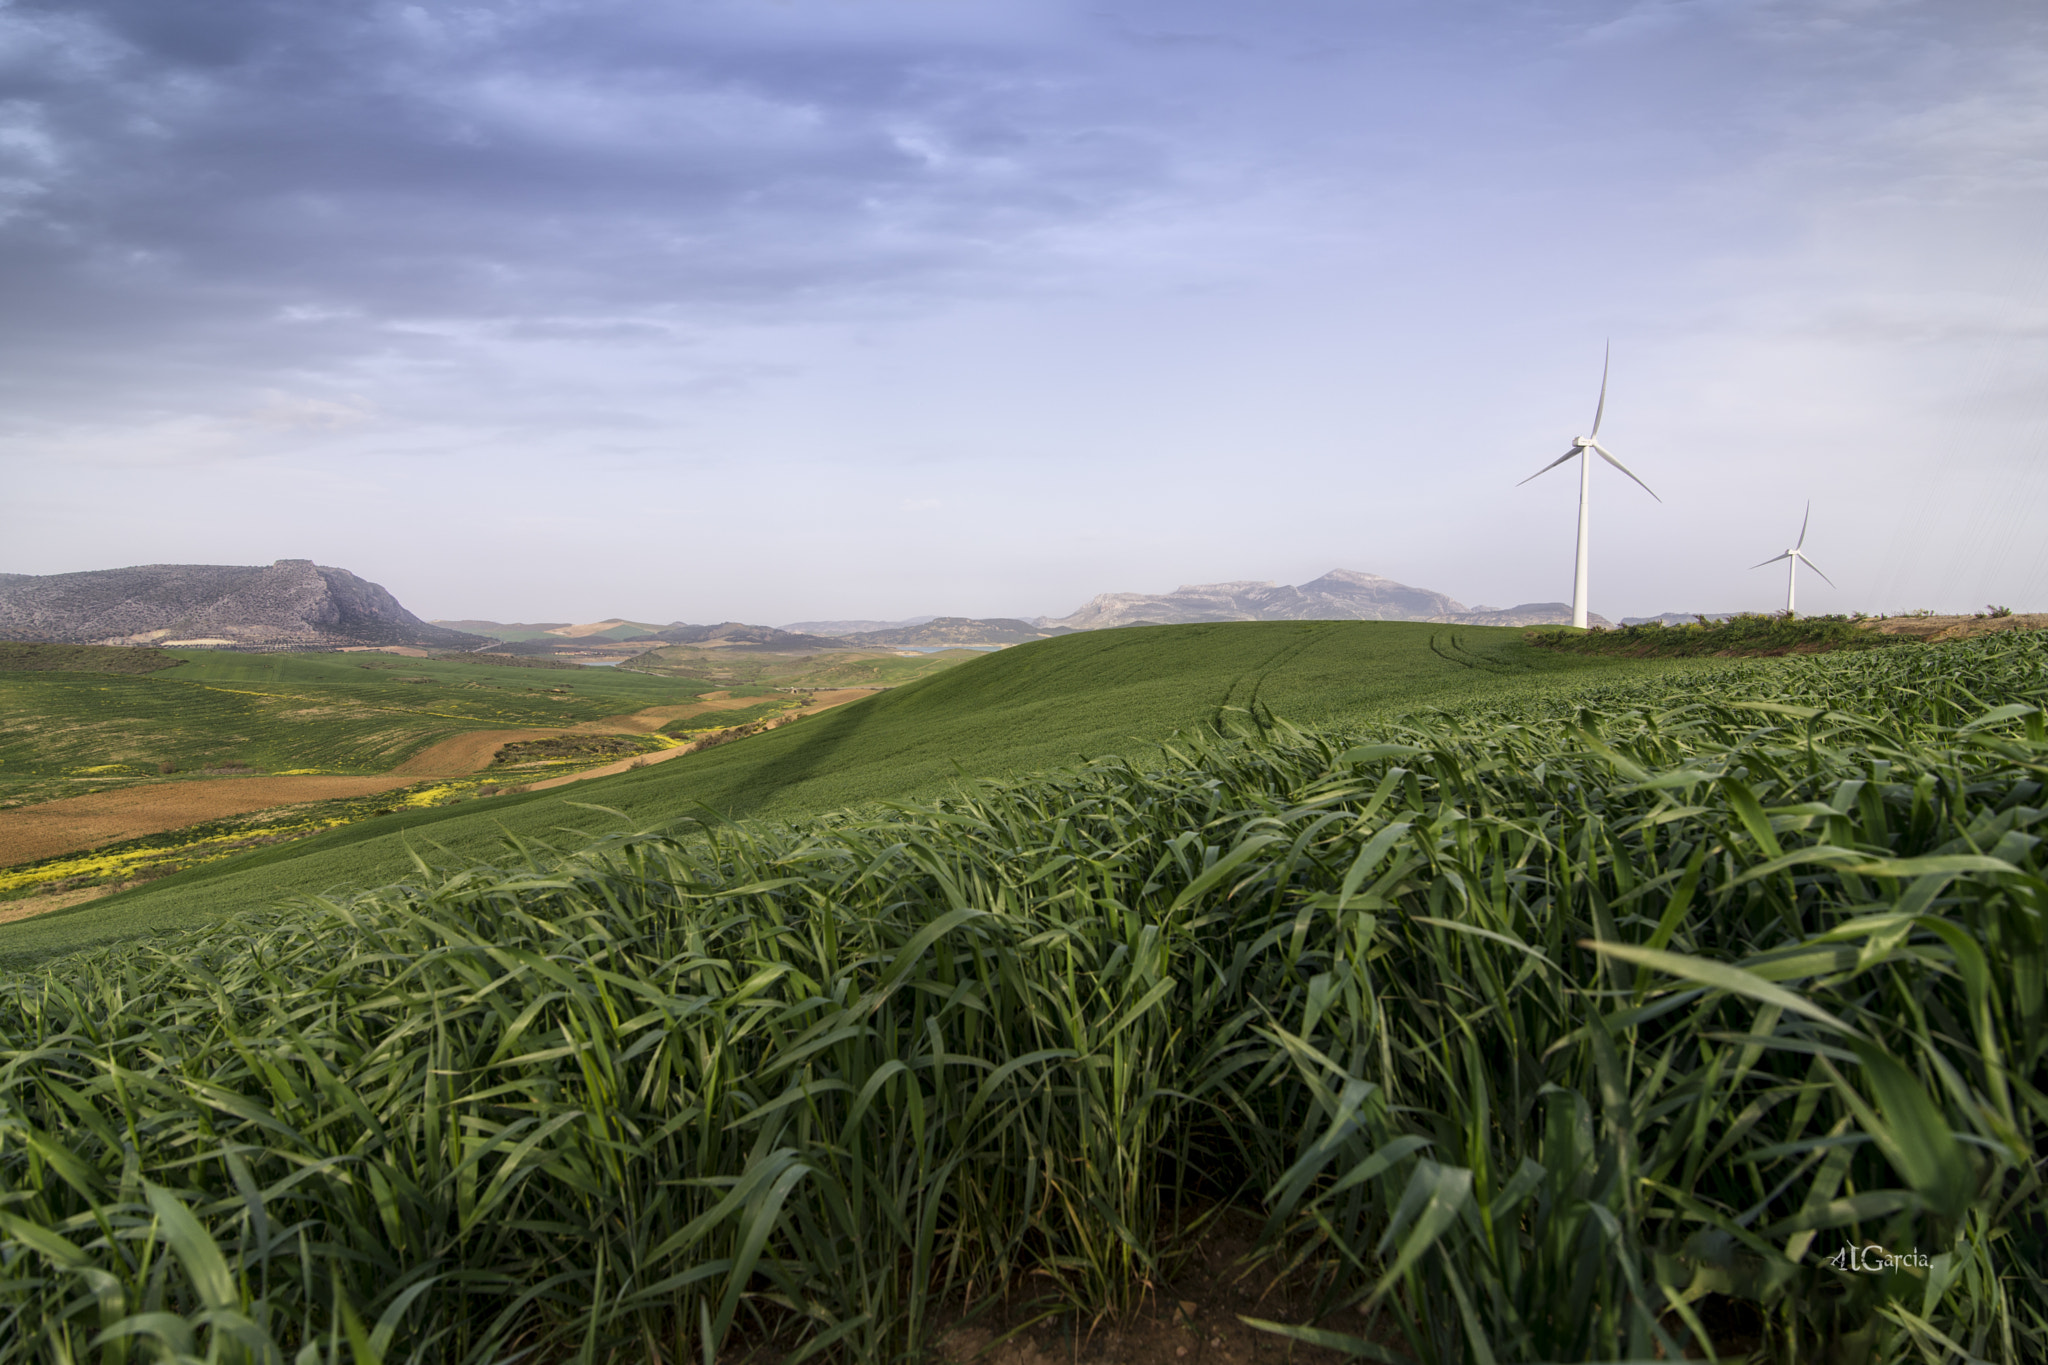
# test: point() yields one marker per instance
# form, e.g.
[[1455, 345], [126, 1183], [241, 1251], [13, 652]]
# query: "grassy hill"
[[1030, 708]]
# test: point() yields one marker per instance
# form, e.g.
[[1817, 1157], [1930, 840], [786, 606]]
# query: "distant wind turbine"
[[1797, 557], [1582, 447]]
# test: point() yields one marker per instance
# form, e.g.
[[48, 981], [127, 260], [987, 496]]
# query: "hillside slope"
[[1037, 706], [290, 602]]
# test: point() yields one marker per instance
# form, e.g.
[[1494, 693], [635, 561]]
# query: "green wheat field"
[[1538, 1007]]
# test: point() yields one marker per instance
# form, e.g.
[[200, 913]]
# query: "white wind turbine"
[[1583, 447], [1797, 557]]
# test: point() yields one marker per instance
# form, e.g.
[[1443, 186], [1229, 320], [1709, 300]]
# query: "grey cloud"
[[186, 177]]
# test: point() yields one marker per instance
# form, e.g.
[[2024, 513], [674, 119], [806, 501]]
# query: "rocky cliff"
[[291, 602]]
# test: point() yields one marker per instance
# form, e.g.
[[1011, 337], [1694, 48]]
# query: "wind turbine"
[[1583, 448], [1797, 556]]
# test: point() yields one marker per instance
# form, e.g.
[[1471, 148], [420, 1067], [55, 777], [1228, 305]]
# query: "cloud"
[[182, 179], [1124, 278], [294, 412]]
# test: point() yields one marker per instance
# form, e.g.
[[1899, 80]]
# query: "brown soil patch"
[[44, 830], [654, 717], [30, 833], [73, 823], [585, 629], [28, 906], [1195, 1318], [1936, 629]]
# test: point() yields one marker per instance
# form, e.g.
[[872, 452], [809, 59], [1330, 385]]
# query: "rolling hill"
[[1037, 706]]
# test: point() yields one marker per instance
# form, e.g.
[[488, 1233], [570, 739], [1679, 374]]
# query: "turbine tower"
[[1583, 448], [1797, 557]]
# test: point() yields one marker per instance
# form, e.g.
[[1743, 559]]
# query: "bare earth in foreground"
[[31, 833]]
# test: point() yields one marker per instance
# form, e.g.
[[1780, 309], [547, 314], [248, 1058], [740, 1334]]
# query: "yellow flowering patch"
[[121, 865], [102, 770]]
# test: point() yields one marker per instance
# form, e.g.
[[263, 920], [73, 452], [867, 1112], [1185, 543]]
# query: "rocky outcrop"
[[290, 602]]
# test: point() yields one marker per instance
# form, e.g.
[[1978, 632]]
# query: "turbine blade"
[[1813, 566], [1608, 456], [1605, 357], [1774, 559], [1802, 531], [1552, 465]]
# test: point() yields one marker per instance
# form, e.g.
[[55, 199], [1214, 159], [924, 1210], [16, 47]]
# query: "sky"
[[777, 310]]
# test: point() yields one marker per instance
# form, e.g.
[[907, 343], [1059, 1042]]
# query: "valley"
[[941, 720], [120, 746]]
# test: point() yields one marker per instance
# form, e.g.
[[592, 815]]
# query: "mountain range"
[[290, 602], [297, 603], [580, 641], [1339, 595]]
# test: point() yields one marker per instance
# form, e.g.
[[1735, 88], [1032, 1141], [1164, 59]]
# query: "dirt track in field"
[[74, 823], [820, 701]]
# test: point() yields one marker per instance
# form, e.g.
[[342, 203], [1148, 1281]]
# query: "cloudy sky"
[[783, 309]]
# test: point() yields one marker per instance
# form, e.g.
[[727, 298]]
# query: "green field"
[[18, 657], [1622, 1014], [1029, 708], [64, 732]]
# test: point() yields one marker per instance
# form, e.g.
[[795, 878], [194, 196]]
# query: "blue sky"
[[784, 309]]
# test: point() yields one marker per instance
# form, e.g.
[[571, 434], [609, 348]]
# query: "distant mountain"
[[853, 627], [291, 602], [939, 631], [1679, 618], [726, 635], [1528, 614], [1339, 595], [613, 628]]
